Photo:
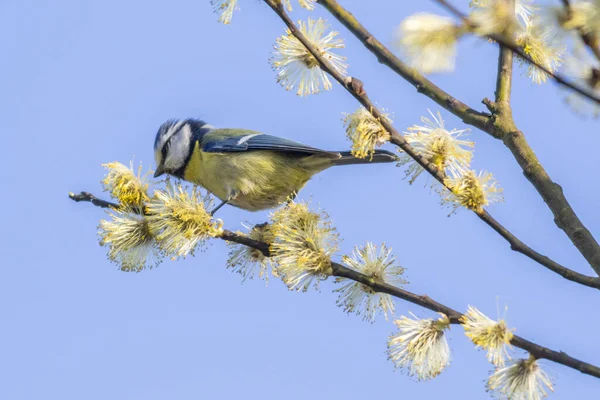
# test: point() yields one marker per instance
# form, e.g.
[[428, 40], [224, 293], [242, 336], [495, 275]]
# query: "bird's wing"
[[226, 140]]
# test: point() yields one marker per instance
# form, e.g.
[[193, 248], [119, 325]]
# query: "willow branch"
[[588, 38], [424, 301], [504, 75], [87, 196], [502, 108], [520, 247], [564, 216], [411, 75], [501, 127], [355, 87], [508, 42], [504, 78], [226, 235]]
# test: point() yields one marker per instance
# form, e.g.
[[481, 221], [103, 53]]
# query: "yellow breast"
[[200, 171], [253, 180]]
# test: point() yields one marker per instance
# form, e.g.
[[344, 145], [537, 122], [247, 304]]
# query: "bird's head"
[[174, 145]]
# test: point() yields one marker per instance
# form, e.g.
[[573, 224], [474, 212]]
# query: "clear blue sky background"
[[83, 83]]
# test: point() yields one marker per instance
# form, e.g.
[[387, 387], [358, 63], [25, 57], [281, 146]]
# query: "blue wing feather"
[[251, 140]]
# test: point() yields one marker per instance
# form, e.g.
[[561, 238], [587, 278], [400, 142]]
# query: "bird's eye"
[[165, 148]]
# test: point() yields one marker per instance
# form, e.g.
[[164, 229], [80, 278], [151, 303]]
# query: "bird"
[[247, 169]]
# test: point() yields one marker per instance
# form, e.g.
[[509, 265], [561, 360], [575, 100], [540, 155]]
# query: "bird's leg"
[[212, 213], [232, 196]]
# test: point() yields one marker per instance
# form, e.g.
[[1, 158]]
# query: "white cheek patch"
[[167, 135], [179, 149]]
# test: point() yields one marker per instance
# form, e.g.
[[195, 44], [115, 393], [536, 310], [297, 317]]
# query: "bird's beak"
[[159, 171]]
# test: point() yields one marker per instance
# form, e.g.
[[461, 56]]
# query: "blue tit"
[[247, 169]]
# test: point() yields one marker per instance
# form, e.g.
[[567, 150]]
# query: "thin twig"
[[515, 243], [552, 193], [421, 300], [395, 138], [226, 235], [504, 75], [536, 350], [502, 109], [520, 247], [588, 38], [423, 85], [504, 78], [86, 196], [508, 42], [500, 127]]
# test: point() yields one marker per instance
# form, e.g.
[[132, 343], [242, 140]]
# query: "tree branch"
[[504, 79], [502, 109], [552, 193], [508, 42], [86, 196], [226, 235], [520, 247], [355, 87], [424, 301], [588, 38], [504, 76], [411, 75], [502, 128]]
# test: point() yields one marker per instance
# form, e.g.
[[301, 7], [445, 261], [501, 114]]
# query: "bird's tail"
[[380, 156]]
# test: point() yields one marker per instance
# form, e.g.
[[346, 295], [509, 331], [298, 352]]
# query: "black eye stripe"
[[165, 148]]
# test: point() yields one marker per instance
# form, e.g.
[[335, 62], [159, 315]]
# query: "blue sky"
[[85, 83]]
